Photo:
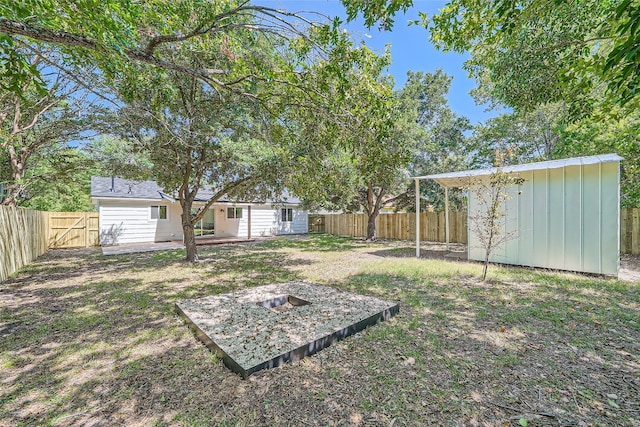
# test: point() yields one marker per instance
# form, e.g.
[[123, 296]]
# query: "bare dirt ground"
[[629, 268], [92, 340], [629, 264]]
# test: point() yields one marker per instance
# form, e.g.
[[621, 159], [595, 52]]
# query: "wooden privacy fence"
[[73, 229], [23, 237], [432, 228], [630, 231], [401, 226]]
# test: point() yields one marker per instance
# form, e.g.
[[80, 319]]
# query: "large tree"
[[113, 156], [594, 136], [376, 137], [36, 122], [240, 143], [529, 135], [541, 51], [124, 37], [239, 47], [536, 51], [277, 58], [196, 153], [60, 181], [389, 138], [443, 146]]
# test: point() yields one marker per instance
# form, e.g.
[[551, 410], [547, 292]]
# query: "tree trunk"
[[371, 226], [489, 247], [485, 266], [189, 233], [13, 190], [12, 193], [372, 208]]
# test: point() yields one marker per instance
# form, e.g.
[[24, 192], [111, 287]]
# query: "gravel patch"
[[267, 326]]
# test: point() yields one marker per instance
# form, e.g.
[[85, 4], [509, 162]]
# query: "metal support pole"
[[446, 214], [417, 218], [249, 222]]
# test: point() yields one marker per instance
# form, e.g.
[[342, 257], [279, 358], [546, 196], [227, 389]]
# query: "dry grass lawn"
[[93, 340]]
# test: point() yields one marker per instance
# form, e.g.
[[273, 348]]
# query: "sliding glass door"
[[206, 226]]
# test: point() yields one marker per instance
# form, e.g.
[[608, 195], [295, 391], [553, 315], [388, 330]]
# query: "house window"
[[158, 212], [287, 214], [234, 213]]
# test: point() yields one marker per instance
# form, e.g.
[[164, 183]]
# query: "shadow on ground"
[[408, 252], [94, 340]]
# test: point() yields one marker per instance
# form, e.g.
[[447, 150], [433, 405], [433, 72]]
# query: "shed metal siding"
[[564, 218], [610, 217]]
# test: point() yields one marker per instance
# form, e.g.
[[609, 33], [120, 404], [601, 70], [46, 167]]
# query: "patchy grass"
[[87, 339], [318, 243]]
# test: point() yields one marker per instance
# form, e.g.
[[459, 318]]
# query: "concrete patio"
[[131, 248]]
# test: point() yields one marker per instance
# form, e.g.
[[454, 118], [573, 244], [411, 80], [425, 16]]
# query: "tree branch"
[[17, 129], [64, 38], [217, 196], [394, 199]]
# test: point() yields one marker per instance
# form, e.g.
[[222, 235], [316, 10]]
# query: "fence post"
[[635, 231]]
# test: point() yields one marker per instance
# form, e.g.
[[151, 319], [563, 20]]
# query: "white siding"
[[230, 227], [265, 221], [123, 221], [565, 218], [300, 223]]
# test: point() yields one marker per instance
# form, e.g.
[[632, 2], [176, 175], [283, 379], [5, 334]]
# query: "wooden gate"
[[73, 229], [316, 224]]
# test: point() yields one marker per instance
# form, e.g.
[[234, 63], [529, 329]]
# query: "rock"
[[409, 361]]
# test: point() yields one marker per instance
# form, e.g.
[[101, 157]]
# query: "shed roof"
[[460, 179], [118, 188]]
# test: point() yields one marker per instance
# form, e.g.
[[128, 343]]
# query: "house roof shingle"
[[119, 188]]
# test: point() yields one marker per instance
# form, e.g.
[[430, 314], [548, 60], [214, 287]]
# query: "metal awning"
[[461, 178]]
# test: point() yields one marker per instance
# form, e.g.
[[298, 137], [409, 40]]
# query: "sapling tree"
[[488, 222]]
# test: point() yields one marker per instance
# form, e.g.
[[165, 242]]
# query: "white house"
[[139, 211]]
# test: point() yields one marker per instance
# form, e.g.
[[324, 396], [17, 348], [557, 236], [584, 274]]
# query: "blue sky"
[[410, 49]]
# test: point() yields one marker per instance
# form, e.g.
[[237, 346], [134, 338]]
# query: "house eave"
[[131, 199]]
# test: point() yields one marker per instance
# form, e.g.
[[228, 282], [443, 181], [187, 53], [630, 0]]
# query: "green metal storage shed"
[[565, 214]]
